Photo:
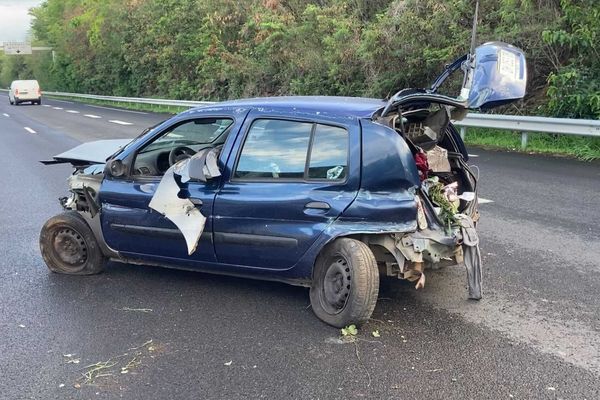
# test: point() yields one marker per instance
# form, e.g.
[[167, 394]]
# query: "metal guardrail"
[[516, 123], [136, 100], [525, 124]]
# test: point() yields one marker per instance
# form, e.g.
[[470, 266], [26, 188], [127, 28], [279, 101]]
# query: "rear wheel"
[[345, 283], [68, 246]]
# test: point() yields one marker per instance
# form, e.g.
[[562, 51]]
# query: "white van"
[[23, 91]]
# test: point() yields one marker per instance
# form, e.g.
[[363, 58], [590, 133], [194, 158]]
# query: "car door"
[[133, 228], [286, 181]]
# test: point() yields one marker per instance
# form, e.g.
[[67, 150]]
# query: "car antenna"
[[468, 63], [474, 31]]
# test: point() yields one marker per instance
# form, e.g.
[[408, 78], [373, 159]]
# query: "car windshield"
[[190, 133]]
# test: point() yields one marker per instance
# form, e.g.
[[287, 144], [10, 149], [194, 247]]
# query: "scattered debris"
[[551, 388], [361, 363], [135, 362], [228, 363], [146, 343], [376, 333], [142, 310], [62, 385], [70, 359], [21, 326], [110, 367], [335, 340]]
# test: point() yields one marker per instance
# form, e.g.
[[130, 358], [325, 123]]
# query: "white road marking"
[[92, 116], [73, 111], [28, 129], [117, 109], [473, 155], [57, 108], [6, 115], [481, 200], [116, 121], [46, 105]]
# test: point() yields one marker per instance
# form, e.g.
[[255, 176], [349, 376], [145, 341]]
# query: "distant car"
[[325, 192], [25, 91]]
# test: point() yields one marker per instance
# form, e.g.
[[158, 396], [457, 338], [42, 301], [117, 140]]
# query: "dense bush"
[[218, 49]]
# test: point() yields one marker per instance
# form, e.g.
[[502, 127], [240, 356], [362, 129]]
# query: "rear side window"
[[279, 149]]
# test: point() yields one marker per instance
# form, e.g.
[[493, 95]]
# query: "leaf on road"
[[350, 330], [376, 333]]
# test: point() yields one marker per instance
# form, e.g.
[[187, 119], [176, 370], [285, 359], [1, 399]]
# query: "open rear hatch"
[[494, 74]]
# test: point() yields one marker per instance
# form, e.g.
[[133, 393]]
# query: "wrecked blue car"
[[329, 193]]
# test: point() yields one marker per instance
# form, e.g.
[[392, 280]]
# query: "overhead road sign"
[[17, 48]]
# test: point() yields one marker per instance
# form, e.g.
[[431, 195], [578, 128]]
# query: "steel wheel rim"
[[70, 247], [336, 285]]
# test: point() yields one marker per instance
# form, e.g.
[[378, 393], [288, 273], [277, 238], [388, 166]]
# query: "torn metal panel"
[[472, 255], [182, 212], [201, 166], [95, 152]]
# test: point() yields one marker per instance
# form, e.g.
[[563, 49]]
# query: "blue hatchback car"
[[325, 192]]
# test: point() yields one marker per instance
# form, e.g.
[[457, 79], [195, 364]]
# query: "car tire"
[[39, 102], [10, 101], [345, 283], [69, 246]]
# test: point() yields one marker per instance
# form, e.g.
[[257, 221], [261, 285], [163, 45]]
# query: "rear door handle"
[[317, 205]]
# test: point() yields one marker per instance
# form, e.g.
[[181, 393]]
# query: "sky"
[[14, 20]]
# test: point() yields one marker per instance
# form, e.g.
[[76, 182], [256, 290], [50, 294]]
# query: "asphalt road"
[[536, 333]]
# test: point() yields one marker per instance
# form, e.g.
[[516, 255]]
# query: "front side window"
[[279, 149], [191, 133]]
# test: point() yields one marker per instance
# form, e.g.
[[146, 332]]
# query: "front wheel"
[[345, 283], [68, 246]]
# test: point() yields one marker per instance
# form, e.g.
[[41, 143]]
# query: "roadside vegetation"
[[582, 148], [222, 49]]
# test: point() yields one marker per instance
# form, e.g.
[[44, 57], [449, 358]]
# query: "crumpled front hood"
[[89, 153]]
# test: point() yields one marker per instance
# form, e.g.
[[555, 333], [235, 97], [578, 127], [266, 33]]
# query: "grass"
[[580, 147], [128, 106]]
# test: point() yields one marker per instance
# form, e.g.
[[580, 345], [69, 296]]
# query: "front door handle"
[[317, 205], [197, 202]]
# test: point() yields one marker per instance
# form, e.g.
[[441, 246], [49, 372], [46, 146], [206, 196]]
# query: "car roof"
[[25, 81], [359, 107]]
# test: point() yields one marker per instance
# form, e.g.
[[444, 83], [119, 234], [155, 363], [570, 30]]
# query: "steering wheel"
[[180, 153]]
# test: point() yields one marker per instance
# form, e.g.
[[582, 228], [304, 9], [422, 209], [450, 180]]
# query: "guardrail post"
[[523, 140], [463, 132]]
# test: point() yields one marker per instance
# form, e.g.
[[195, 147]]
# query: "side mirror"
[[499, 76], [115, 168], [202, 166]]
